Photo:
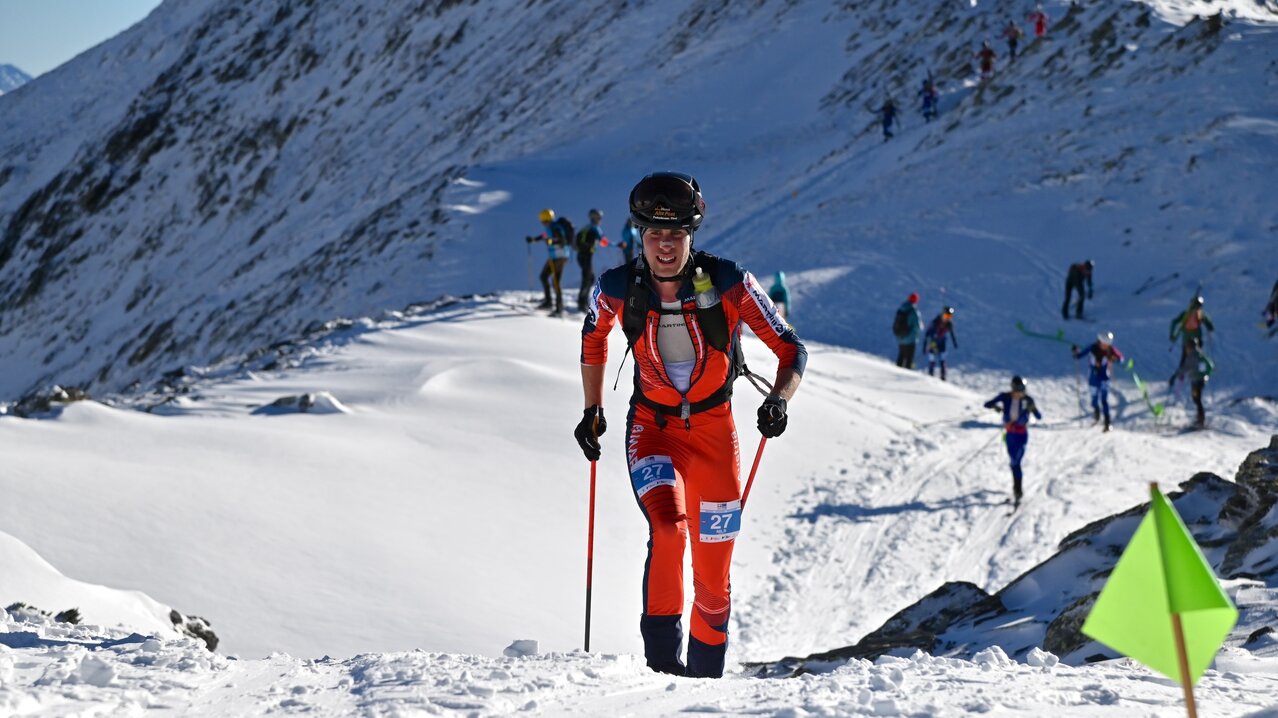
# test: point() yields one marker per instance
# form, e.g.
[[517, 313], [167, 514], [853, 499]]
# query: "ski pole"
[[590, 551], [763, 440]]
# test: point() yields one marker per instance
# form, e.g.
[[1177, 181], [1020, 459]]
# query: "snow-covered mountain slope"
[[452, 477], [263, 167], [63, 670], [11, 78], [445, 510], [1044, 609], [29, 579]]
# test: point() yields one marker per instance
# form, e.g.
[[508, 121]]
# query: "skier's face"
[[666, 250]]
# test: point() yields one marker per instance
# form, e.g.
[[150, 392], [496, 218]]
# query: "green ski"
[[1059, 336], [1156, 409]]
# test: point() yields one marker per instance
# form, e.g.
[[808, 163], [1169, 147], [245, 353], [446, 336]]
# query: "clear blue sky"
[[38, 35]]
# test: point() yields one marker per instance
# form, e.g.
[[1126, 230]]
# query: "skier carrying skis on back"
[[1188, 325], [1099, 355], [1017, 406], [681, 311], [938, 333]]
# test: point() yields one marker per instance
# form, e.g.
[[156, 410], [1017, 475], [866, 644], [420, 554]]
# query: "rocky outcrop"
[[1235, 523]]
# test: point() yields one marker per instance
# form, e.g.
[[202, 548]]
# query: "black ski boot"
[[1107, 423]]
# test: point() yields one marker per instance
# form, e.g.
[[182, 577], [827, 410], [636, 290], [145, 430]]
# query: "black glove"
[[592, 426], [530, 240], [772, 418]]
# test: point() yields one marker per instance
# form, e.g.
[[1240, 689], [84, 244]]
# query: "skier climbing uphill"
[[681, 312], [1017, 406], [939, 332], [1099, 355]]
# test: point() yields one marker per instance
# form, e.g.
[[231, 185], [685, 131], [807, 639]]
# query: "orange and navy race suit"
[[683, 458]]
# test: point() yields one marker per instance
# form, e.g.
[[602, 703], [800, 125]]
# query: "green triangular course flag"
[[1162, 571]]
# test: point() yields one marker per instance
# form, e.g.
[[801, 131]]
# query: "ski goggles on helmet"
[[667, 200]]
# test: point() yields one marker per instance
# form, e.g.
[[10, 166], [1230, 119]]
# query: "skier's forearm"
[[592, 382], [787, 383]]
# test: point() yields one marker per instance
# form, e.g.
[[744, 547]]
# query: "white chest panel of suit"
[[674, 344]]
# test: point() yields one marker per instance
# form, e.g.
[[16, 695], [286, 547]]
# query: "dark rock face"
[[1235, 523], [195, 627]]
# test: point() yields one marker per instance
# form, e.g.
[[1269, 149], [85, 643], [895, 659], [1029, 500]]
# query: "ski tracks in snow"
[[866, 538]]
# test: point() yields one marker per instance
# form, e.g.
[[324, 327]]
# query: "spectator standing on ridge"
[[1099, 356], [907, 325], [986, 55], [681, 311], [940, 331], [1017, 406], [558, 236], [1078, 275], [779, 293], [587, 239], [1012, 33]]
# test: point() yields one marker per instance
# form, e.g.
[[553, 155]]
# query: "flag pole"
[[1181, 656]]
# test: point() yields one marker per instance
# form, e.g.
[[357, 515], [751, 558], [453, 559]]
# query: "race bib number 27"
[[650, 472], [720, 521]]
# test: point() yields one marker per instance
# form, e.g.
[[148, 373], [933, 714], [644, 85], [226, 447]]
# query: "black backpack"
[[901, 324], [585, 241], [713, 320], [565, 224]]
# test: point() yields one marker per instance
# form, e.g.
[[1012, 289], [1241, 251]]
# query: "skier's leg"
[[659, 491], [943, 370], [547, 269], [1065, 307], [559, 291], [714, 494], [586, 263], [1197, 393], [909, 356], [1104, 397], [1078, 308]]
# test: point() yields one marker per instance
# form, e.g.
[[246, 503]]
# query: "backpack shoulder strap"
[[634, 310]]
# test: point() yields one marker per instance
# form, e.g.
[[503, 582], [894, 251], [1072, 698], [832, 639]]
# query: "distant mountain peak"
[[11, 78]]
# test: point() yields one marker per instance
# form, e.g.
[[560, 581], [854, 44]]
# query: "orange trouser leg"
[[686, 482]]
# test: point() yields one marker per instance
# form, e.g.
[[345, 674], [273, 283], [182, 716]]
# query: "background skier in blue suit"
[[1017, 406]]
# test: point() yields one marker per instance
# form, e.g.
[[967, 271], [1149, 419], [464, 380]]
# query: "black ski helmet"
[[667, 200], [948, 310], [1089, 264], [1196, 302], [594, 215], [1018, 384]]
